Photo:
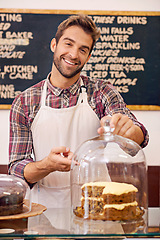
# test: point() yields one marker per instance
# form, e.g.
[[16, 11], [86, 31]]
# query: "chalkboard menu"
[[127, 53]]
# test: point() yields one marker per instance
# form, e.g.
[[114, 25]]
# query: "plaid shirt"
[[103, 98]]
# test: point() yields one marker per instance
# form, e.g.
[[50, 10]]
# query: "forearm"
[[35, 171], [145, 134]]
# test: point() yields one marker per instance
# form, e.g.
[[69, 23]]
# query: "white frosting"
[[118, 188], [120, 206], [113, 187]]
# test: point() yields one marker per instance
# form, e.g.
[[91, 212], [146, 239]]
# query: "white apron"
[[60, 127]]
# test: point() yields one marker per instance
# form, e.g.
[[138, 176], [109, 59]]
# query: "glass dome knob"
[[108, 130]]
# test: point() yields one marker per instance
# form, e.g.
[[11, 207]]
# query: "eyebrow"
[[84, 46]]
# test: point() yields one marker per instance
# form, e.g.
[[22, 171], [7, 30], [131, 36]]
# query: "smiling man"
[[71, 52], [51, 118]]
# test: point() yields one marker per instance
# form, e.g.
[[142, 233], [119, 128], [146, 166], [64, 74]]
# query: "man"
[[56, 115]]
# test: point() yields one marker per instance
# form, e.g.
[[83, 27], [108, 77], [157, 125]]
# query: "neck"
[[57, 80]]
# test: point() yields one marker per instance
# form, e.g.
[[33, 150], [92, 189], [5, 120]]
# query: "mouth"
[[69, 62]]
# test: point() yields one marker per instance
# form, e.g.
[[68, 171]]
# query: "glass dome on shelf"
[[14, 196], [109, 186]]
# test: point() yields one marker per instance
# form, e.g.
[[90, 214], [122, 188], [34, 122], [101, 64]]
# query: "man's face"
[[72, 51]]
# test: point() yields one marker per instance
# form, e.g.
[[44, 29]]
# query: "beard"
[[58, 65]]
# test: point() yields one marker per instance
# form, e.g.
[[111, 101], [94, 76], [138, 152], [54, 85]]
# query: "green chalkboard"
[[127, 53]]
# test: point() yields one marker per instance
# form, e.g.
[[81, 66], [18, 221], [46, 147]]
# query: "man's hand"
[[123, 126], [59, 159]]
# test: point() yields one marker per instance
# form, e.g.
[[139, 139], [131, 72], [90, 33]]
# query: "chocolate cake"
[[11, 198]]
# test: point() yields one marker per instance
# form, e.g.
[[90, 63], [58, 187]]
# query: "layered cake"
[[112, 201]]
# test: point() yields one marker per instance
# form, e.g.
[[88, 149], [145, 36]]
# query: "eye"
[[83, 50], [68, 43]]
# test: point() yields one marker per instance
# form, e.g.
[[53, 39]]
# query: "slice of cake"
[[117, 193], [92, 205], [93, 189], [120, 212]]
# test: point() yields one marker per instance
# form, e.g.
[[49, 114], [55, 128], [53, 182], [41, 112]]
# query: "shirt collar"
[[58, 91]]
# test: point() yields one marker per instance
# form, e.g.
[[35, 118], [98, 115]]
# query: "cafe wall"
[[151, 119]]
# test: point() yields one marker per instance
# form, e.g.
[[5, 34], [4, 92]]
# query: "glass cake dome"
[[109, 186], [14, 196]]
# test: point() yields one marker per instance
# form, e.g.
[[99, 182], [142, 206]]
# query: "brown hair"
[[81, 20]]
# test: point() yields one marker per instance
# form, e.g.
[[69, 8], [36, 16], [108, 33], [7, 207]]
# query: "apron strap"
[[83, 93], [82, 96], [43, 97]]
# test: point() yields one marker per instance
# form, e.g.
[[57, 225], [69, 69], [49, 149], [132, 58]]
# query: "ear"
[[53, 44]]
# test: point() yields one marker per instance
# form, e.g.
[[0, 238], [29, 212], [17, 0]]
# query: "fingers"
[[70, 155], [59, 159], [63, 164], [100, 130], [61, 149], [122, 124]]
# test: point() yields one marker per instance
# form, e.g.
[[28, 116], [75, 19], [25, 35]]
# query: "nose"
[[74, 52]]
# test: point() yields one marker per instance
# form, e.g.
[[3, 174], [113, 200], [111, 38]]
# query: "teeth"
[[69, 62]]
